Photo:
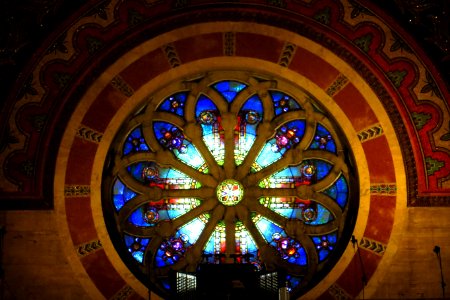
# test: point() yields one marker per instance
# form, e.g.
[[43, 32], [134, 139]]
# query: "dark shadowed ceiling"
[[25, 25]]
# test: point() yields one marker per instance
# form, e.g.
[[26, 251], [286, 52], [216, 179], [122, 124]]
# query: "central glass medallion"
[[230, 192]]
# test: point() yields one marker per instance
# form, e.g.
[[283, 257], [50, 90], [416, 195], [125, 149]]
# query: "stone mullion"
[[310, 125], [320, 118], [264, 132], [292, 157], [193, 255], [137, 186], [257, 192], [268, 213], [206, 206], [133, 230], [194, 133], [329, 203], [312, 256], [131, 206], [322, 229], [230, 233]]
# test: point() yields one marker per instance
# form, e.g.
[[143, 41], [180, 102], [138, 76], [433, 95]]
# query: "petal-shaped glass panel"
[[153, 175], [174, 104], [172, 138], [325, 244], [248, 119], [216, 245], [290, 249], [229, 89], [283, 103], [287, 137], [149, 214], [135, 142], [306, 173], [338, 191], [245, 245], [310, 212], [293, 281], [174, 248], [121, 194], [323, 140], [136, 246], [209, 118]]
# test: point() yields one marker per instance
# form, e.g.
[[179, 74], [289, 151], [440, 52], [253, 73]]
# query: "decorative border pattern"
[[409, 92], [88, 248]]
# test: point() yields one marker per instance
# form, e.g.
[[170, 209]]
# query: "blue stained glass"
[[121, 194], [289, 249], [136, 246], [166, 284], [325, 244], [174, 104], [322, 169], [253, 103], [153, 175], [267, 156], [216, 243], [306, 173], [213, 135], [268, 229], [135, 142], [248, 119], [171, 138], [293, 281], [283, 103], [192, 230], [323, 140], [174, 248], [204, 104], [245, 244], [287, 136], [149, 214], [339, 191], [229, 89], [308, 211]]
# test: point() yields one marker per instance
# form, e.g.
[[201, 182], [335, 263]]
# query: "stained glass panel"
[[174, 248], [248, 119], [325, 244], [169, 206], [135, 142], [213, 136], [153, 175], [283, 103], [229, 89], [216, 243], [323, 140], [149, 214], [136, 246], [174, 104], [287, 137], [339, 191], [290, 249], [308, 211], [172, 138], [121, 194], [245, 245]]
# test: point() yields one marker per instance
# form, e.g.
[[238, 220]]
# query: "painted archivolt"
[[422, 105], [230, 170]]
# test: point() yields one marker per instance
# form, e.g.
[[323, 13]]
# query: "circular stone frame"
[[81, 218]]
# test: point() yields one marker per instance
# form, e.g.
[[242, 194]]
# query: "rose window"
[[230, 169]]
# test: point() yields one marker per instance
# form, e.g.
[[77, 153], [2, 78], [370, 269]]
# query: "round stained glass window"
[[230, 169]]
